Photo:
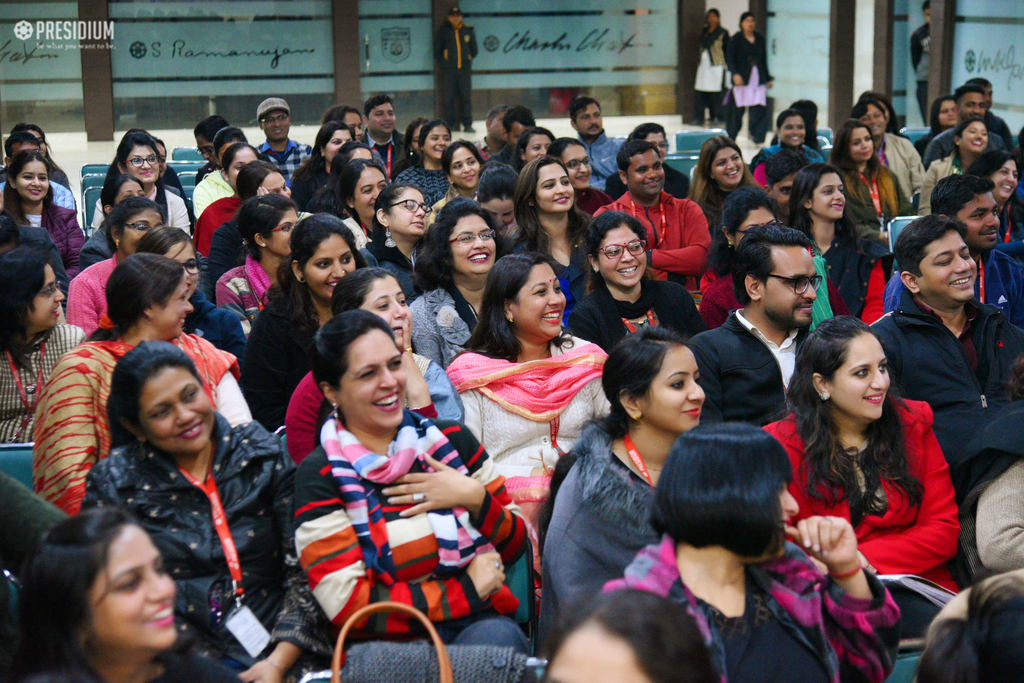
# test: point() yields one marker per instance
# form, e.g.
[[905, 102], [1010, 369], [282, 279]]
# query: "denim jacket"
[[602, 159]]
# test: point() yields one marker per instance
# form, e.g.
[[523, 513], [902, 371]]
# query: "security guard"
[[455, 49]]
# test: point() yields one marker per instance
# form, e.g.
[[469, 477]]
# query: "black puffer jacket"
[[255, 481]]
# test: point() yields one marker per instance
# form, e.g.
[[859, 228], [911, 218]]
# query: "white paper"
[[248, 630]]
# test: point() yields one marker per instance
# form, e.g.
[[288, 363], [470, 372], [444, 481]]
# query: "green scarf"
[[822, 310]]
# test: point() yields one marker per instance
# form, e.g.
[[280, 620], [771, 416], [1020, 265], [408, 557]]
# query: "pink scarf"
[[259, 281], [538, 390]]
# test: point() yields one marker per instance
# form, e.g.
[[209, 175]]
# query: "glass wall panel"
[[798, 50], [397, 45]]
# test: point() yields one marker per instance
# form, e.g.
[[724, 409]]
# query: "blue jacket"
[[1004, 287], [218, 326], [602, 159]]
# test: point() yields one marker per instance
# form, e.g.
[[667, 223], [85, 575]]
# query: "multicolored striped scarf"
[[352, 464]]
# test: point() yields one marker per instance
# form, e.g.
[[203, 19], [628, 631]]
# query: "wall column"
[[97, 78], [940, 56], [348, 52], [842, 16], [690, 23], [882, 72]]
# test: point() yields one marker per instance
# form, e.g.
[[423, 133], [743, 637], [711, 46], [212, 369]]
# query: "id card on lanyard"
[[241, 622]]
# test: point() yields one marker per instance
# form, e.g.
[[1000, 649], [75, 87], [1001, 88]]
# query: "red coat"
[[905, 540], [214, 216]]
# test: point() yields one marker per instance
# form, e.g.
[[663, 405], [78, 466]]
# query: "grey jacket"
[[598, 525], [437, 330]]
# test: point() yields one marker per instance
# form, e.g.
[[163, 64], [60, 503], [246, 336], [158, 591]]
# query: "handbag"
[[443, 662]]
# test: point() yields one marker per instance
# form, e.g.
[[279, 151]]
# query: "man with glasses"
[[677, 231], [677, 184], [746, 364], [274, 118]]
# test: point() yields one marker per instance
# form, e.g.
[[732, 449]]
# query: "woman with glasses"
[[455, 257], [123, 227], [147, 300], [429, 175], [31, 337], [622, 300], [399, 221], [137, 156], [461, 163], [216, 325], [858, 267], [573, 154], [265, 224]]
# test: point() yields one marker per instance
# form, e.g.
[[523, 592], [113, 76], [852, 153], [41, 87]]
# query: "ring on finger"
[[497, 565], [419, 497]]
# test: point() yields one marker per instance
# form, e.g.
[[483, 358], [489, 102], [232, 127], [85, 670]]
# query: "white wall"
[[730, 11]]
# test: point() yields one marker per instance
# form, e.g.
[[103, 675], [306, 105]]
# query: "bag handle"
[[444, 664]]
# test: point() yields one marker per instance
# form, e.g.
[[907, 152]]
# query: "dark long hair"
[[54, 599], [108, 195], [494, 335], [841, 159], [735, 210], [532, 235], [41, 136], [22, 275], [317, 163], [804, 184], [409, 156], [259, 215], [12, 200], [433, 267], [351, 292], [129, 141], [523, 141], [138, 282], [936, 110], [829, 469]]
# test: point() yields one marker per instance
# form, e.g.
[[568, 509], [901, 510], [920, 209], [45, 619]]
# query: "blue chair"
[[690, 141], [187, 179], [187, 154], [905, 669], [914, 134], [94, 169], [684, 163], [186, 166], [519, 577], [16, 461], [894, 229], [827, 134], [89, 198], [92, 180]]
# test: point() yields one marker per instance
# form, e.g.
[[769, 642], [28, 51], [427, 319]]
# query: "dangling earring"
[[389, 243], [823, 396]]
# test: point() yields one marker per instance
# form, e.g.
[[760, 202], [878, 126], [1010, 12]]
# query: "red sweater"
[[214, 216], [680, 247], [905, 540]]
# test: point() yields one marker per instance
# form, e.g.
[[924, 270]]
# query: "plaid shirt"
[[288, 160]]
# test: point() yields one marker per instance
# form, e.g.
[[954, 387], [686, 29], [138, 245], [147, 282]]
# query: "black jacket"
[[218, 326], [742, 55], [849, 269], [676, 184], [598, 317], [446, 50], [275, 361], [929, 364], [255, 480], [741, 379], [226, 250]]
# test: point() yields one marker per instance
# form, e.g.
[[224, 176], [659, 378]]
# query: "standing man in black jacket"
[[943, 345], [745, 365], [456, 48]]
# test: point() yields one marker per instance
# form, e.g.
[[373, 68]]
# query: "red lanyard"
[[220, 523], [876, 198], [23, 392], [981, 280], [659, 236], [652, 320], [634, 455], [554, 436]]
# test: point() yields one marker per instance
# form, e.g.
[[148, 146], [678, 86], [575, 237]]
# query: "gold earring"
[[510, 319], [637, 416]]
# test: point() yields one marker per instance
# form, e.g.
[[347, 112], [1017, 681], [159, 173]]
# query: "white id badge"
[[248, 630]]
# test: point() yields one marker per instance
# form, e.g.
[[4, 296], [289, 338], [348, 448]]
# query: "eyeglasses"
[[470, 237], [191, 266], [573, 164], [280, 118], [800, 283], [614, 251], [286, 228], [139, 162], [411, 205], [141, 226], [206, 150], [161, 159], [49, 292]]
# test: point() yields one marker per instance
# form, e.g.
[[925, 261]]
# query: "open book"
[[933, 592]]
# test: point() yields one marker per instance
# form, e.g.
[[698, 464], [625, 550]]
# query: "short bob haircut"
[[666, 643], [754, 255], [434, 266], [259, 215], [720, 487], [128, 381], [252, 175], [351, 291], [54, 603], [328, 355], [599, 229], [494, 335], [138, 282], [22, 276], [123, 213], [913, 242], [111, 187]]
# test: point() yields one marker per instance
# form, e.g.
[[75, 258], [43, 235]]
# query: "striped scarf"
[[458, 542]]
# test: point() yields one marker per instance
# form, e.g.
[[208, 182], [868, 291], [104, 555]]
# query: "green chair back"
[[690, 141], [914, 134], [519, 577], [16, 461], [684, 163], [906, 667], [827, 134], [186, 166], [187, 154], [89, 199], [94, 169], [92, 180], [187, 179]]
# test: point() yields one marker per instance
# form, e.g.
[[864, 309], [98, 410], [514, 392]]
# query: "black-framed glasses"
[[139, 162], [800, 283], [411, 205], [614, 251], [471, 237], [141, 226], [191, 266], [573, 164]]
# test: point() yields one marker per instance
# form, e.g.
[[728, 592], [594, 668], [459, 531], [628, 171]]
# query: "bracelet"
[[842, 576], [275, 664], [408, 349]]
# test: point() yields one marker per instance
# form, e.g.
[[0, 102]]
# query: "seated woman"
[[528, 387], [532, 144], [276, 353], [461, 162], [858, 267], [28, 198], [354, 195], [496, 193], [549, 222], [942, 117], [429, 175], [720, 171], [792, 134], [1001, 168], [236, 478], [314, 172], [147, 301], [573, 155], [873, 459], [429, 392], [123, 228], [628, 635], [96, 606], [115, 190], [265, 223], [746, 209], [765, 610], [235, 158], [410, 146], [215, 325], [871, 190], [57, 175], [622, 300], [31, 337], [451, 269], [429, 524], [597, 517], [399, 222]]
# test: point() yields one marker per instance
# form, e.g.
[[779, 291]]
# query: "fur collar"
[[606, 488]]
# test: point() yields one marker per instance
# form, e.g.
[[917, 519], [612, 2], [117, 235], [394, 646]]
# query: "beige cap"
[[269, 104]]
